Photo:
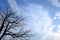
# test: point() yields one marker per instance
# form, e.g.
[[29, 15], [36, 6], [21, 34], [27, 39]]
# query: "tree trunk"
[[2, 26], [4, 32]]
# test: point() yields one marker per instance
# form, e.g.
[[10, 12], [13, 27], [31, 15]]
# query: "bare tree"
[[9, 22]]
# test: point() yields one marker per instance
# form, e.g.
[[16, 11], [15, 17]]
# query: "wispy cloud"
[[38, 15], [55, 3], [39, 21]]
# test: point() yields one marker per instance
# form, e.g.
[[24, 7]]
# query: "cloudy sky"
[[43, 16]]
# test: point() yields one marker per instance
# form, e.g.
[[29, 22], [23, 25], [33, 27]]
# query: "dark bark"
[[4, 32], [2, 26]]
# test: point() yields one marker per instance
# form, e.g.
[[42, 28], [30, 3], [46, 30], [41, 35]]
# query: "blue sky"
[[43, 16]]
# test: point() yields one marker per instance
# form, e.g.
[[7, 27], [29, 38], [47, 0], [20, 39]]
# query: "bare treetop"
[[10, 21]]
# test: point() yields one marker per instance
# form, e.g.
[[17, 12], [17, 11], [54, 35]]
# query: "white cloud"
[[55, 2], [39, 19], [39, 16]]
